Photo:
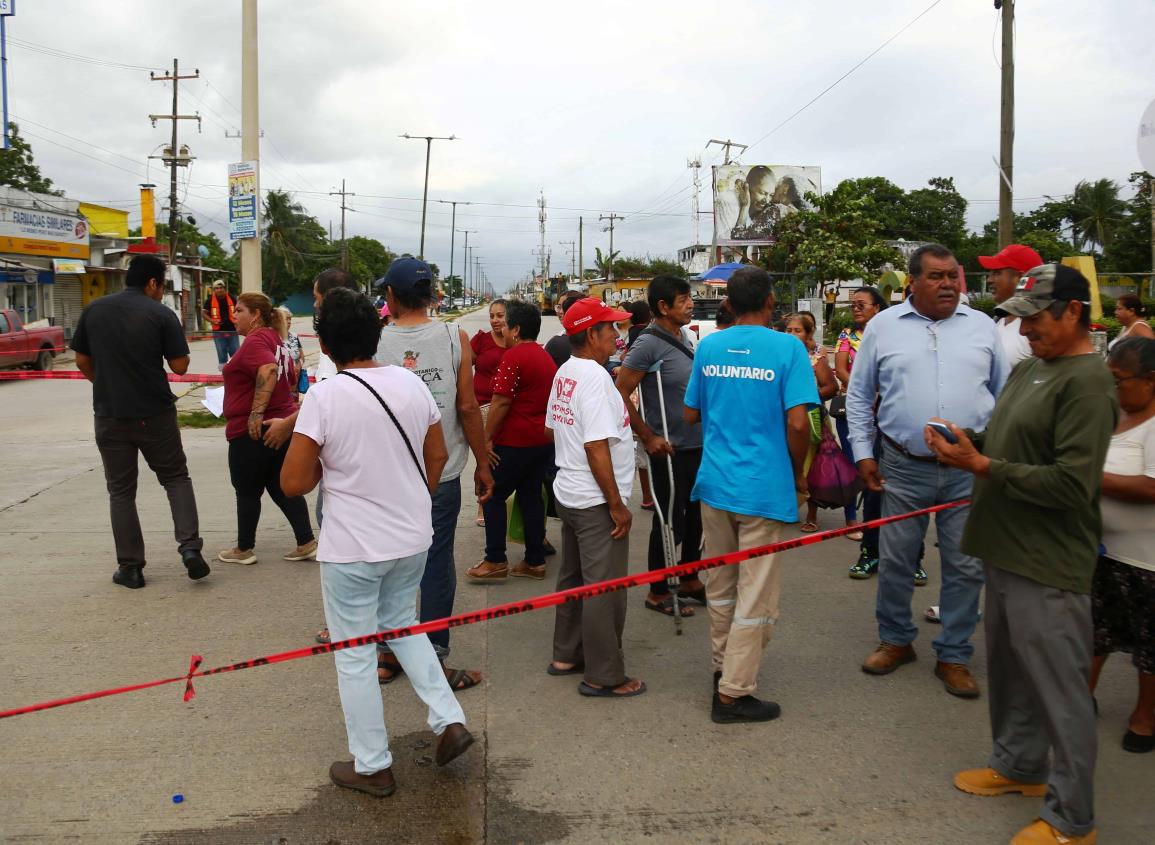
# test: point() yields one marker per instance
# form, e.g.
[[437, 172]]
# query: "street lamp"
[[428, 139], [452, 228]]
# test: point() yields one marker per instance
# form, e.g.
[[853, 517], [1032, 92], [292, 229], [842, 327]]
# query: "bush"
[[986, 304], [842, 319]]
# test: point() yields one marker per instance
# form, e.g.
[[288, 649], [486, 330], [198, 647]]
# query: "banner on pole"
[[748, 201], [242, 200]]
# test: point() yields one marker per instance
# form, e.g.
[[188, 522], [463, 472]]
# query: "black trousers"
[[254, 469], [686, 517], [158, 439], [524, 470]]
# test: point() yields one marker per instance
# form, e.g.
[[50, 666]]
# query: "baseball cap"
[[1014, 256], [1045, 285], [409, 275], [587, 313]]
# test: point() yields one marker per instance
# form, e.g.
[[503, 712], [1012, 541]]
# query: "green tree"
[[294, 249], [935, 213], [17, 168], [603, 261], [1097, 212], [1130, 250], [454, 286], [837, 239], [369, 259]]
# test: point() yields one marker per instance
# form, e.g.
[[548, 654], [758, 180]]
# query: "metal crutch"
[[669, 547]]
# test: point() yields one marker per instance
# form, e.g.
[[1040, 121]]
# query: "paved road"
[[854, 759]]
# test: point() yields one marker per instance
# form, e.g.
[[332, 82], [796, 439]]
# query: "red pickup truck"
[[23, 347]]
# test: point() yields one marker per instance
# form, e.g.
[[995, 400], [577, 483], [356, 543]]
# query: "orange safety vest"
[[215, 311]]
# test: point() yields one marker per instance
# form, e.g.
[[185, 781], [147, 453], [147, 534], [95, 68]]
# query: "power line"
[[75, 57], [832, 85]]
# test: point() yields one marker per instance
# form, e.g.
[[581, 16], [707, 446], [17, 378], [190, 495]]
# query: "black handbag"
[[837, 407]]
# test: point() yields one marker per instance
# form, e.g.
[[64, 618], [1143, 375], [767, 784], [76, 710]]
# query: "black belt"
[[923, 459]]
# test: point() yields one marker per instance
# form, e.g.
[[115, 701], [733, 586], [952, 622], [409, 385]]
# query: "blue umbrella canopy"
[[721, 272]]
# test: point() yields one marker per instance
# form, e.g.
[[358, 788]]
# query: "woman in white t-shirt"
[[1123, 595], [377, 464]]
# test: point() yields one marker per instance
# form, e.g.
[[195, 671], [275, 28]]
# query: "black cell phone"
[[947, 434]]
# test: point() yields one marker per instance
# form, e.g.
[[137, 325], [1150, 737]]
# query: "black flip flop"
[[396, 669], [576, 669], [666, 607], [608, 692]]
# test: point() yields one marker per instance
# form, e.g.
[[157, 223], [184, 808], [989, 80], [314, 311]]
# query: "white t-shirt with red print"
[[584, 407]]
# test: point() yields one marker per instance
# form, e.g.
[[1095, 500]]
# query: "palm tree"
[[1096, 212], [294, 245], [605, 261]]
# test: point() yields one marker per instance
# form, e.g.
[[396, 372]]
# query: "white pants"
[[364, 598]]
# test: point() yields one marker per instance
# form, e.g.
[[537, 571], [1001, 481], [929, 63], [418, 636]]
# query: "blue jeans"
[[911, 485], [439, 583], [226, 344]]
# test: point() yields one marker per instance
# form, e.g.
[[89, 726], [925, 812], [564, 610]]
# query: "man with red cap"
[[594, 450], [1010, 265]]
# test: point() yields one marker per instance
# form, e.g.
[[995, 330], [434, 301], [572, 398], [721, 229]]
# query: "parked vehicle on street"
[[21, 346]]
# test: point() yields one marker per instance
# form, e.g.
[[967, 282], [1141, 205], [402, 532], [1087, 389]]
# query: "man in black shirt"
[[219, 311], [558, 346], [121, 342]]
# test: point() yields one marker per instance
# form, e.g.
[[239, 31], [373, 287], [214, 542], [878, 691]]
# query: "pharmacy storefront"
[[34, 242]]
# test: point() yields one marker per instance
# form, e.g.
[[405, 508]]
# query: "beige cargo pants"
[[742, 598]]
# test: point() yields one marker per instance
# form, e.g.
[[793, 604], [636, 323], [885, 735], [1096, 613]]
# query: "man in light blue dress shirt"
[[930, 357]]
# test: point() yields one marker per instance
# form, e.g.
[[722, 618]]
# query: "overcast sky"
[[598, 104]]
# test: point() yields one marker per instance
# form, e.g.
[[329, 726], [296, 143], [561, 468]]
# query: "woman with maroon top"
[[520, 450], [258, 389], [488, 349]]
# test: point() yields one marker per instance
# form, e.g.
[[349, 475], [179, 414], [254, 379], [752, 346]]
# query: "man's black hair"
[[748, 290], [348, 325], [665, 289], [413, 300], [334, 277], [914, 266], [141, 269], [640, 314], [1134, 354], [524, 316], [725, 315]]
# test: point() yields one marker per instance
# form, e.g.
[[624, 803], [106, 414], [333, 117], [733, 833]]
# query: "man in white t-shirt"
[[1010, 265], [594, 450]]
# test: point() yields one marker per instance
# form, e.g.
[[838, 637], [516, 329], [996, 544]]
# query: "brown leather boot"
[[957, 679], [379, 783], [888, 657]]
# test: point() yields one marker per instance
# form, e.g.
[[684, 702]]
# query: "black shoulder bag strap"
[[677, 344], [389, 411]]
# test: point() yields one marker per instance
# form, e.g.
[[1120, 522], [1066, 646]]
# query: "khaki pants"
[[742, 598]]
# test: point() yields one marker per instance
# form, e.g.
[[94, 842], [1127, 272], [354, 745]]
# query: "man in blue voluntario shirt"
[[751, 388]]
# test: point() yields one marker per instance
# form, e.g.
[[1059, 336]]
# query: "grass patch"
[[199, 419]]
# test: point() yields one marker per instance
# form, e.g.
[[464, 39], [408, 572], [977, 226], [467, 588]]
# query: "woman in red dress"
[[488, 350]]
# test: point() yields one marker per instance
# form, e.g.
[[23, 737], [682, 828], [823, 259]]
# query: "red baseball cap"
[[587, 313], [1016, 257]]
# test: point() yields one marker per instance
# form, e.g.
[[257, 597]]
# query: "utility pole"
[[251, 140], [465, 254], [428, 139], [344, 246], [572, 256], [695, 164], [1007, 127], [452, 232], [612, 218], [175, 156], [726, 145], [581, 255]]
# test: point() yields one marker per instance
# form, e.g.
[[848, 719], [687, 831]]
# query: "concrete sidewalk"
[[854, 758]]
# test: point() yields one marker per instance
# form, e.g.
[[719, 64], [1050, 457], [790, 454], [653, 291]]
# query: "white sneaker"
[[238, 556]]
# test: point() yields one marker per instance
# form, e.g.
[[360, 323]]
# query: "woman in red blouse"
[[258, 389], [488, 350]]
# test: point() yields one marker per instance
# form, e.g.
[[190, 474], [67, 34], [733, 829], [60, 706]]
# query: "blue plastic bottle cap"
[[178, 798]]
